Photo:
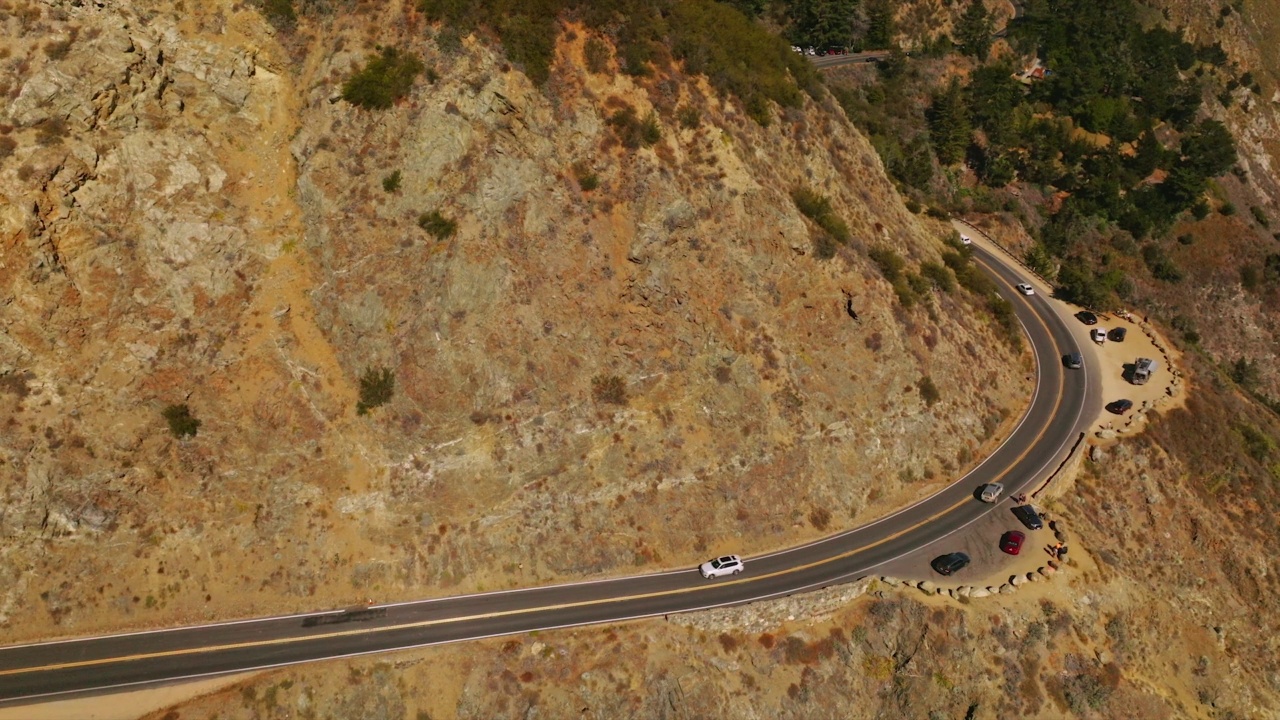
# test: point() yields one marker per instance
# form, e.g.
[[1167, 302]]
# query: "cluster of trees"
[[720, 40], [1112, 127]]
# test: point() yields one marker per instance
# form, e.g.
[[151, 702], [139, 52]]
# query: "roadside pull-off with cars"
[[721, 566]]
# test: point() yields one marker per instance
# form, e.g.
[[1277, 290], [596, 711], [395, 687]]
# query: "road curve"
[[1060, 409]]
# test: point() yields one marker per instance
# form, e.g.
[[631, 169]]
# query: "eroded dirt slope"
[[193, 217]]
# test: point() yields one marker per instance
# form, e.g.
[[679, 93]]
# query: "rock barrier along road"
[[1060, 408]]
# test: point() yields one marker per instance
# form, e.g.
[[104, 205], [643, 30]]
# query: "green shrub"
[[1250, 277], [928, 391], [1183, 324], [391, 183], [689, 117], [376, 387], [587, 180], [890, 263], [1162, 268], [939, 275], [596, 54], [609, 389], [632, 131], [385, 78], [437, 224], [280, 14], [181, 422], [1228, 209], [1261, 216], [817, 208]]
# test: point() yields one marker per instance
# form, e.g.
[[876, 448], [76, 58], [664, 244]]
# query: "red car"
[[1011, 542]]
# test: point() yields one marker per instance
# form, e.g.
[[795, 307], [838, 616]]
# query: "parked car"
[[1025, 289], [1087, 317], [991, 492], [1028, 516], [1117, 334], [1011, 542], [1098, 335], [1119, 407], [949, 563], [1074, 360], [721, 566]]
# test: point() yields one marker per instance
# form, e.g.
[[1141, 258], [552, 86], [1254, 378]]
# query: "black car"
[[1074, 360], [949, 563], [1087, 317], [1028, 516], [1119, 407], [1117, 334]]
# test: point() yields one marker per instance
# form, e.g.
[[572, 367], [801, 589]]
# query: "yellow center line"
[[542, 608]]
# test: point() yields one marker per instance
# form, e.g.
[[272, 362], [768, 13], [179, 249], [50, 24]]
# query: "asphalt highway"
[[1060, 409]]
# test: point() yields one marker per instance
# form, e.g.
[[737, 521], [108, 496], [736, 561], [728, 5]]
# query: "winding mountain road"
[[1060, 409]]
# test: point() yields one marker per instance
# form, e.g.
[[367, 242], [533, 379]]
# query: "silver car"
[[991, 492], [718, 567]]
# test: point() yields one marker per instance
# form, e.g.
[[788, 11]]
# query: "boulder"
[[979, 593], [1006, 589], [1033, 577], [926, 586], [1046, 571], [1017, 580]]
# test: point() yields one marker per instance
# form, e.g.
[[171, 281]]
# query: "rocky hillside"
[[611, 342]]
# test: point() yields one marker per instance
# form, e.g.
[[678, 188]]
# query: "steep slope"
[[586, 381]]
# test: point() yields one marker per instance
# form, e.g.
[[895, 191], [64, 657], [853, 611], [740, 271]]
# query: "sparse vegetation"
[[385, 78], [817, 208], [391, 183], [609, 389], [738, 56], [928, 391], [634, 132], [377, 385], [587, 179], [595, 53], [181, 422], [437, 225]]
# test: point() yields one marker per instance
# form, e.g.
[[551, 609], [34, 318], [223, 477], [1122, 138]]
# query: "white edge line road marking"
[[600, 581]]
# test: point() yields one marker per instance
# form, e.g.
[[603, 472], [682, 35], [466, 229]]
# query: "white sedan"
[[718, 567], [1025, 289]]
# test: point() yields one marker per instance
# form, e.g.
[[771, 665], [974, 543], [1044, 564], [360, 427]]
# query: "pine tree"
[[949, 127], [879, 25], [974, 30]]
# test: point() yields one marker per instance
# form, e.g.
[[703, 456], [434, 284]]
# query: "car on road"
[[1074, 360], [1087, 317], [1098, 335], [1026, 289], [966, 240], [1120, 407], [1117, 334], [1028, 516], [991, 492], [1011, 542], [721, 566], [949, 563]]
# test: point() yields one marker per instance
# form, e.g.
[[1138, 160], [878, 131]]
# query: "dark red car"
[[1011, 542]]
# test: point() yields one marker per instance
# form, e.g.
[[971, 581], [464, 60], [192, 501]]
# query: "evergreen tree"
[[880, 26], [974, 30], [949, 127]]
